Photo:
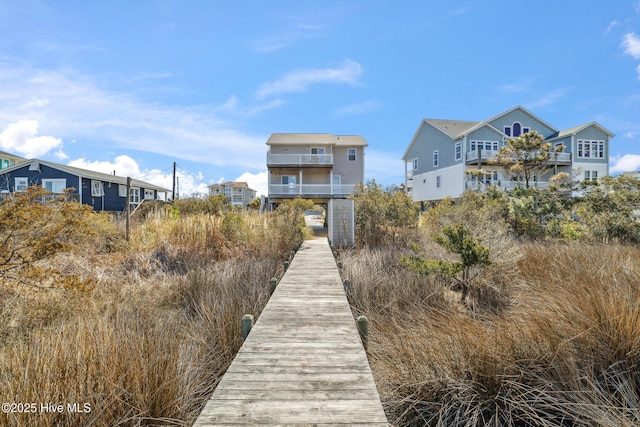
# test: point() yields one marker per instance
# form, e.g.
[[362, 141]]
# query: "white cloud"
[[613, 24], [626, 163], [299, 81], [123, 165], [631, 44], [548, 99], [257, 181], [518, 87], [21, 138], [68, 104], [356, 109]]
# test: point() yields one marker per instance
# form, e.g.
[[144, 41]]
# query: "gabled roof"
[[315, 139], [448, 127], [524, 110], [576, 129], [84, 173], [453, 128]]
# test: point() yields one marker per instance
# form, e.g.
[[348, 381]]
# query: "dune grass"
[[557, 344], [149, 326]]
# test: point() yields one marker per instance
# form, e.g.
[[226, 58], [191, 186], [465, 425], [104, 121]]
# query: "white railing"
[[491, 154], [303, 190], [561, 157], [505, 184], [486, 154], [300, 159]]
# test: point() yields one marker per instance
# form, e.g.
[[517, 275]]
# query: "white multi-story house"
[[237, 193], [442, 151], [321, 167]]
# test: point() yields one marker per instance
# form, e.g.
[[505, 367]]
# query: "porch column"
[[300, 182], [331, 180]]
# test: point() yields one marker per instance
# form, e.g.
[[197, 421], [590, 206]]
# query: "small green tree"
[[473, 257], [381, 215], [526, 156], [610, 209]]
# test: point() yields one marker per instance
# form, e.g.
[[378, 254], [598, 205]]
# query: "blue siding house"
[[103, 192], [442, 151]]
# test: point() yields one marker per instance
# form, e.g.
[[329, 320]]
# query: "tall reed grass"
[[146, 334], [562, 350]]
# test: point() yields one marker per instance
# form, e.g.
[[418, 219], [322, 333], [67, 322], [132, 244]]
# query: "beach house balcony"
[[299, 160]]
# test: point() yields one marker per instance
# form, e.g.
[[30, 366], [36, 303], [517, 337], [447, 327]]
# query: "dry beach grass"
[[144, 336]]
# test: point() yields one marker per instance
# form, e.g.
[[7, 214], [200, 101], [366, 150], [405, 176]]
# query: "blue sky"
[[133, 86]]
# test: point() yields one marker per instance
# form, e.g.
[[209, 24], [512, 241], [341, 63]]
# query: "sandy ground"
[[316, 223]]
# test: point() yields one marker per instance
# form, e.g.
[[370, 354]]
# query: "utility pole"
[[128, 207], [173, 194]]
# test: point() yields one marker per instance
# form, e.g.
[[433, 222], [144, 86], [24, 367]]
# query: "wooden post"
[[363, 329], [247, 324], [339, 264], [273, 283], [291, 255], [347, 285], [128, 208], [335, 254], [286, 266]]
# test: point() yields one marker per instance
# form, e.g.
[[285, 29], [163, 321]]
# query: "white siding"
[[451, 184]]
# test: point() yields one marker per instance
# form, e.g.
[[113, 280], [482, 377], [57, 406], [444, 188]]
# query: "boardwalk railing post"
[[286, 266], [347, 285], [363, 329], [272, 285], [247, 324], [291, 255]]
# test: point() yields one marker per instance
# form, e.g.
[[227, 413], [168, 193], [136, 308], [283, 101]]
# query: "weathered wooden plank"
[[287, 411], [303, 362]]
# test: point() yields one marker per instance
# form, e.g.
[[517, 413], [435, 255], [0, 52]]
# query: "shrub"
[[382, 217]]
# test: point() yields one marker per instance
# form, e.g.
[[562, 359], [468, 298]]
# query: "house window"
[[148, 194], [517, 129], [590, 149], [458, 150], [438, 181], [54, 185], [415, 164], [316, 150], [134, 195], [436, 160], [483, 145], [21, 184], [525, 130], [97, 189], [507, 130], [122, 190], [590, 175], [351, 154], [5, 163]]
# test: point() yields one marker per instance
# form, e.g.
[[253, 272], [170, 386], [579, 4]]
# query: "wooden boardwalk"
[[303, 362]]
